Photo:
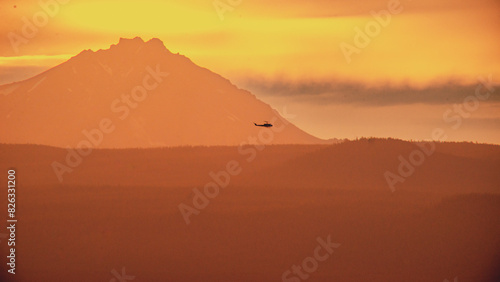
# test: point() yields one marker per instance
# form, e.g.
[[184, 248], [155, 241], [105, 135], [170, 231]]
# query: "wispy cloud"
[[340, 92]]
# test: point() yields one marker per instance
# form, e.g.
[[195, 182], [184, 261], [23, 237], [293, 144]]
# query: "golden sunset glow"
[[422, 44], [250, 140]]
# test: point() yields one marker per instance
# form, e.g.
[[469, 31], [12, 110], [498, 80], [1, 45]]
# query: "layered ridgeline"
[[136, 94]]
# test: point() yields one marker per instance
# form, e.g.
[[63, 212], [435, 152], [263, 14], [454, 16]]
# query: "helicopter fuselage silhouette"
[[267, 124]]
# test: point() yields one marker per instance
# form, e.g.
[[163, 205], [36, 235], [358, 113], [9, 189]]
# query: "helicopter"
[[266, 124]]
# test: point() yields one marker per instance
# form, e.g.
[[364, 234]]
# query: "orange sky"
[[294, 41]]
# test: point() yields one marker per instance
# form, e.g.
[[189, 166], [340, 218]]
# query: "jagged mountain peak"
[[153, 97]]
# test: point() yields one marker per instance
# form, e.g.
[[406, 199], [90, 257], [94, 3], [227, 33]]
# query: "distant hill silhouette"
[[359, 165], [120, 208], [454, 167], [184, 104]]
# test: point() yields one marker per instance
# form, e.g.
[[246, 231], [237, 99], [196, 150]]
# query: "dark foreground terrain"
[[119, 211]]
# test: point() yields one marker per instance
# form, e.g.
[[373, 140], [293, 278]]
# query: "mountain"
[[137, 94]]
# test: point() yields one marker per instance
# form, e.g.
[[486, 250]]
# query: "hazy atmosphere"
[[234, 140], [316, 58]]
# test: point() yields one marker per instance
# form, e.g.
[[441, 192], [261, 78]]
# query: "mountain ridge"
[[146, 91]]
